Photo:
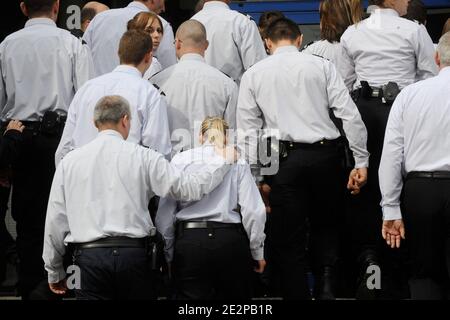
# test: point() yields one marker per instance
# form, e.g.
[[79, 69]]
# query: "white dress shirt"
[[332, 51], [103, 190], [234, 40], [417, 137], [238, 189], [149, 124], [155, 67], [105, 30], [292, 92], [194, 91], [41, 68], [384, 48]]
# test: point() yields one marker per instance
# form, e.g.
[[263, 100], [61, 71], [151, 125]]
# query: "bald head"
[[97, 6], [443, 51], [89, 11], [191, 36]]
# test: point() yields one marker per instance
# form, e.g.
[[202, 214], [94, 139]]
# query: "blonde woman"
[[150, 23], [214, 244]]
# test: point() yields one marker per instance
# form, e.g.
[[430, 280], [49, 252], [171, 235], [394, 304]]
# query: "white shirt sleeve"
[[390, 172], [344, 108], [253, 211], [230, 111], [83, 66], [56, 229], [251, 49], [426, 67], [249, 120], [155, 125], [347, 67], [65, 144], [165, 224]]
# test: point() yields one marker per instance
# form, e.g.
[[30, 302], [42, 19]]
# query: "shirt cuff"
[[392, 213], [56, 276], [258, 254], [361, 163]]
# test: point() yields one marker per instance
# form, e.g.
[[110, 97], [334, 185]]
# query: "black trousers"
[[426, 212], [364, 210], [309, 186], [114, 273], [6, 240], [32, 178], [212, 264]]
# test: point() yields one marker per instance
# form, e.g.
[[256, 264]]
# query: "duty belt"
[[207, 225], [428, 175], [113, 242]]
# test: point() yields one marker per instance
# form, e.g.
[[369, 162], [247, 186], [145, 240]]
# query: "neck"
[[192, 51], [111, 126], [284, 43], [141, 67], [46, 15]]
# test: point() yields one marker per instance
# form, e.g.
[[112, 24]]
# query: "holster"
[[52, 123], [155, 250]]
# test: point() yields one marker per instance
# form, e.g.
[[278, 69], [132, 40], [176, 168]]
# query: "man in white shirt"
[[98, 204], [416, 161], [149, 126], [292, 93], [42, 67], [381, 55], [234, 40], [105, 30], [194, 90]]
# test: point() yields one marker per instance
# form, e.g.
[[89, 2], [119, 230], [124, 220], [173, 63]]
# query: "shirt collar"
[[386, 12], [192, 57], [40, 21], [445, 72], [285, 49], [110, 133], [215, 4], [138, 5], [128, 69]]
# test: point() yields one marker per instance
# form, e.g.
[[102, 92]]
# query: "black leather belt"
[[113, 242], [207, 225], [322, 143], [429, 175]]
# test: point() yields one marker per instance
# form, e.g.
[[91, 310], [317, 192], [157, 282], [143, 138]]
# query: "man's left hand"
[[59, 288]]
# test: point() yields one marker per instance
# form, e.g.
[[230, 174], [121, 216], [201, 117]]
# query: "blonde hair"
[[214, 130]]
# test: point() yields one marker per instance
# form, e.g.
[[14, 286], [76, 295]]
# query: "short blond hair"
[[214, 130]]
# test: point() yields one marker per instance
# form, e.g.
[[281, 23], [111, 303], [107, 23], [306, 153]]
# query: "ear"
[[177, 45], [148, 57], [24, 9], [437, 58], [299, 41], [206, 45], [269, 44], [56, 8]]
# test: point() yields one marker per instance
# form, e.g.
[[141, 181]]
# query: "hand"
[[229, 153], [59, 288], [265, 189], [356, 180], [261, 266], [393, 231], [15, 125]]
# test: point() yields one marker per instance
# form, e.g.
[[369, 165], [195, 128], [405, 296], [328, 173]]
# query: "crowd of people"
[[222, 158]]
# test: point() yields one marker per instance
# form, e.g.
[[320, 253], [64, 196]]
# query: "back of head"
[[283, 29], [192, 34], [38, 7], [443, 49], [110, 110], [143, 19], [214, 130], [133, 47], [417, 11], [87, 14], [266, 19], [336, 16], [446, 27]]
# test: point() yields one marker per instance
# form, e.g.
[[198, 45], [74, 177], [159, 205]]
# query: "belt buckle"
[[376, 92]]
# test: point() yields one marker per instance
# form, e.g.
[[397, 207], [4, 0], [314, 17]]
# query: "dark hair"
[[379, 3], [266, 19], [38, 6], [336, 16], [87, 14], [283, 29], [133, 47], [417, 11]]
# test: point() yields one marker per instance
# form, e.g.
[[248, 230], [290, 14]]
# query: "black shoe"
[[325, 284], [363, 292]]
